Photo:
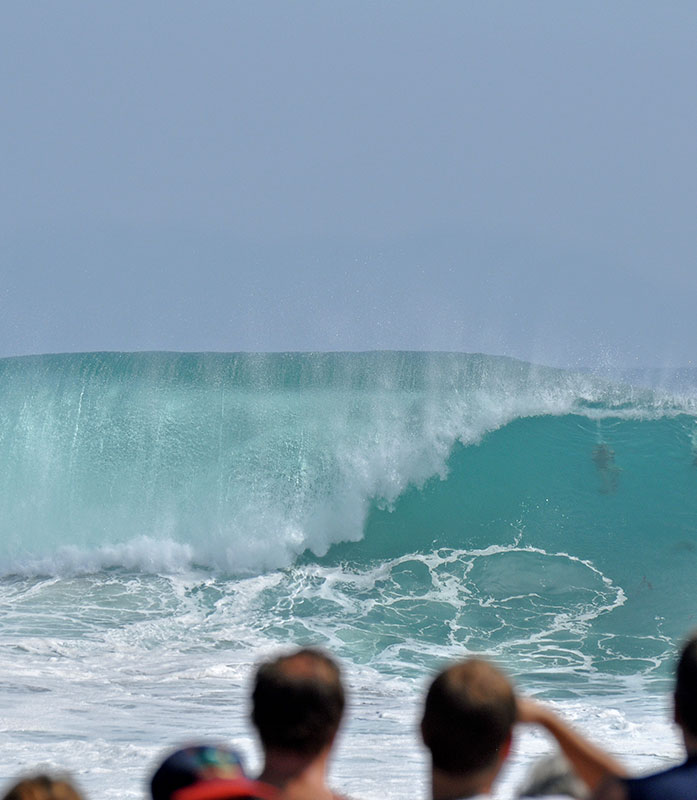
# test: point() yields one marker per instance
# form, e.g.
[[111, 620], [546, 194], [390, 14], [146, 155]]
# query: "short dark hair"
[[468, 717], [298, 701], [686, 686]]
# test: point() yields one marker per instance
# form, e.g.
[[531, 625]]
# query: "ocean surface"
[[167, 520]]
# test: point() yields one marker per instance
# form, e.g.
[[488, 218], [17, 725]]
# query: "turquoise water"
[[169, 518]]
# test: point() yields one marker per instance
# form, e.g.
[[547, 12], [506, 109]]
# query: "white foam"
[[171, 660], [141, 553]]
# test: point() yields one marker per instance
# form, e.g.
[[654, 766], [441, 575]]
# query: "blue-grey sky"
[[506, 177]]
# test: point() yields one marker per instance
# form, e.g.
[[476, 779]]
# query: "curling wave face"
[[243, 462]]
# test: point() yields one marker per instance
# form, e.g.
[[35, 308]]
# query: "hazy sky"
[[507, 177]]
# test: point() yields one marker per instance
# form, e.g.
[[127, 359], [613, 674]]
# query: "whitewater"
[[169, 519]]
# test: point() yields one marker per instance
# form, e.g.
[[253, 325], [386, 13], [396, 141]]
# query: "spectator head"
[[298, 702], [686, 687], [468, 718], [42, 787], [205, 772]]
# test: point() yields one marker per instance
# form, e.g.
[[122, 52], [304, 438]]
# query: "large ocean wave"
[[244, 463]]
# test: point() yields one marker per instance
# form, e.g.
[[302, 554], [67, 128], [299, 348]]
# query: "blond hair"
[[43, 787]]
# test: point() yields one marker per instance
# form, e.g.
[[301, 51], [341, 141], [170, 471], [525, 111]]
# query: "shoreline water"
[[378, 754]]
